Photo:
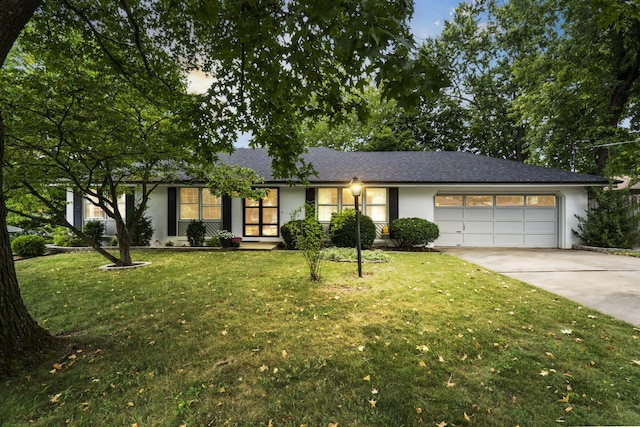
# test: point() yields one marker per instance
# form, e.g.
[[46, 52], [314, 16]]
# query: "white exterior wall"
[[416, 202], [413, 201], [157, 210], [575, 201]]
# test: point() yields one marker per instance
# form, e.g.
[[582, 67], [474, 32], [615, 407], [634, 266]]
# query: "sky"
[[429, 17]]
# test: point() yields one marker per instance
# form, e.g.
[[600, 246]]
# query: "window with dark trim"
[[262, 217], [199, 204]]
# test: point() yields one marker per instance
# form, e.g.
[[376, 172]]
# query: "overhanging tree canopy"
[[272, 62]]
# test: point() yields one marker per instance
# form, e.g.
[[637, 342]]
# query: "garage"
[[491, 220]]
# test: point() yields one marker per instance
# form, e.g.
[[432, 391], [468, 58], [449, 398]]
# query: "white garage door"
[[529, 221]]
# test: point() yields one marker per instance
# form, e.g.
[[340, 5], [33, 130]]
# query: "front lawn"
[[245, 339]]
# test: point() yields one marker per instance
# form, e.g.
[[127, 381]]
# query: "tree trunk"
[[627, 62], [20, 336]]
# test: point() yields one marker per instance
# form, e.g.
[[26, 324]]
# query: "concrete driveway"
[[608, 283]]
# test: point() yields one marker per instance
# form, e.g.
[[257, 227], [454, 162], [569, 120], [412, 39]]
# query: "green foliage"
[[143, 233], [196, 230], [28, 246], [342, 229], [288, 231], [95, 231], [351, 255], [308, 238], [406, 232], [62, 236], [613, 223], [213, 242]]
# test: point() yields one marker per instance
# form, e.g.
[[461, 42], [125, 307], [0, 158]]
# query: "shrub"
[[94, 231], [288, 232], [196, 231], [143, 233], [63, 237], [612, 223], [214, 242], [406, 232], [342, 229], [307, 237], [28, 246]]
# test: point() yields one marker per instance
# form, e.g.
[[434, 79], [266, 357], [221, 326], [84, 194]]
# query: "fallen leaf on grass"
[[442, 424], [564, 399], [55, 398], [367, 378], [422, 364], [636, 362], [467, 417], [373, 403]]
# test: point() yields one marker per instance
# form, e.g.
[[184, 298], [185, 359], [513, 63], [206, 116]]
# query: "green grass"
[[245, 339]]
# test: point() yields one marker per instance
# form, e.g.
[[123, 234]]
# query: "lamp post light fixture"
[[356, 190]]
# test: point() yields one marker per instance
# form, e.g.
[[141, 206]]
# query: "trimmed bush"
[[144, 232], [28, 246], [94, 231], [63, 237], [407, 232], [196, 230], [288, 231], [342, 229]]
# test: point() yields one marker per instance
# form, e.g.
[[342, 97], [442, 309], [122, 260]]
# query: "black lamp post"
[[356, 189]]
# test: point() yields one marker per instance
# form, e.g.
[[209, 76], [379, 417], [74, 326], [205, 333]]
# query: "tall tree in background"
[[582, 86], [273, 63]]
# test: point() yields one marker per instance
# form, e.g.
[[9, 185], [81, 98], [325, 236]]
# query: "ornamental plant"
[[342, 229], [407, 232], [308, 238], [28, 246], [94, 231], [612, 223], [288, 231], [196, 231]]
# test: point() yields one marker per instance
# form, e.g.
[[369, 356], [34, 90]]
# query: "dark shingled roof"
[[407, 167]]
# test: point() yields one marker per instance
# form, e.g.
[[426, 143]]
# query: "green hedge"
[[407, 232], [28, 246], [342, 229], [288, 232]]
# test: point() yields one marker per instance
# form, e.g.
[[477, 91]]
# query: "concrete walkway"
[[608, 283]]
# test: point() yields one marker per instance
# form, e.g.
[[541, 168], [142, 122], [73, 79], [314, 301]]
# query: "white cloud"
[[199, 82]]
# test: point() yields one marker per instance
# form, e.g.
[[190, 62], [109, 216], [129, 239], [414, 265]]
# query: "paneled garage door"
[[529, 221]]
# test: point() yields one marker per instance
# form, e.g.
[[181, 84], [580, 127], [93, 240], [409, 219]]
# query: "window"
[[479, 201], [327, 203], [449, 200], [261, 217], [373, 202], [376, 203], [348, 201], [93, 212], [509, 200], [541, 200], [199, 204]]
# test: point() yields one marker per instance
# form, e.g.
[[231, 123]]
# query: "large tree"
[[273, 63], [91, 135], [581, 87]]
